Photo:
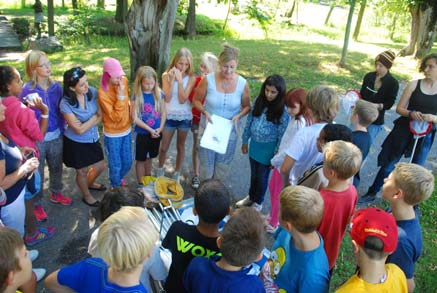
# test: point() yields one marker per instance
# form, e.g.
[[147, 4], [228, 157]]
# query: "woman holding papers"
[[226, 95]]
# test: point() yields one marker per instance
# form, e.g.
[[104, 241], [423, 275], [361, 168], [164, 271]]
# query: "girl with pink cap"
[[114, 103]]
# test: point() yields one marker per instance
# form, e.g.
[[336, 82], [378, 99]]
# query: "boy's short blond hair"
[[415, 181], [366, 112], [302, 207], [126, 239], [344, 158], [323, 103]]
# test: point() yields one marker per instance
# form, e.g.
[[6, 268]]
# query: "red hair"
[[298, 96]]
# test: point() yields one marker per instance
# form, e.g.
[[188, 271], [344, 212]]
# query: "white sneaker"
[[33, 254], [159, 172], [40, 273], [257, 207], [245, 202], [176, 176]]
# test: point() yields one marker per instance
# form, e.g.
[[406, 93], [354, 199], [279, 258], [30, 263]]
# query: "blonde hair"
[[344, 158], [31, 63], [415, 181], [302, 207], [210, 61], [146, 72], [323, 103], [366, 112], [182, 52], [126, 239], [228, 54]]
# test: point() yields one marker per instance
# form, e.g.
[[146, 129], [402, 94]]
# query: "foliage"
[[182, 7], [204, 26], [77, 26], [256, 11], [21, 26]]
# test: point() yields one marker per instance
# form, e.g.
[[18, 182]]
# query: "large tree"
[[121, 10], [190, 23], [347, 33], [423, 28], [359, 20], [149, 25]]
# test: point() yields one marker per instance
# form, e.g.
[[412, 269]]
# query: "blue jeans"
[[419, 157], [373, 131], [119, 155], [259, 179]]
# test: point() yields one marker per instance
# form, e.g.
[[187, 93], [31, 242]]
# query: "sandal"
[[93, 205], [99, 187]]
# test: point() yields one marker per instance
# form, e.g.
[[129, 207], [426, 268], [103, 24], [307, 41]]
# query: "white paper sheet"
[[216, 134]]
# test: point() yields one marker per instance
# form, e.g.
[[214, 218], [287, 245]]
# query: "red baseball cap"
[[378, 223]]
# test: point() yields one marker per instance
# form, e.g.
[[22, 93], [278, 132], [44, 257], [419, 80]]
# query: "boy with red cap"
[[374, 237]]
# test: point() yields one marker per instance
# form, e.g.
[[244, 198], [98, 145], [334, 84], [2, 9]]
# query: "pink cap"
[[113, 67]]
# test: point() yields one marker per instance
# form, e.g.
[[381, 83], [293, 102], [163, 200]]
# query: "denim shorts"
[[183, 125]]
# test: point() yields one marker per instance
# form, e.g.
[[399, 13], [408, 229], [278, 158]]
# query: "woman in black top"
[[418, 102], [381, 88]]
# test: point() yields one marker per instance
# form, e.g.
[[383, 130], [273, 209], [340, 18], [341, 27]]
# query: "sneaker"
[[33, 254], [245, 202], [39, 273], [58, 197], [159, 172], [271, 229], [176, 176], [40, 235], [257, 207], [39, 213], [195, 182]]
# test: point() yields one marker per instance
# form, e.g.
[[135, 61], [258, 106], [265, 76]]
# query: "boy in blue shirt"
[[125, 241], [363, 114], [298, 262], [240, 243], [405, 187]]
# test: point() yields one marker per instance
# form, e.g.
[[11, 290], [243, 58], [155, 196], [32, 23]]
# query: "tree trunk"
[[63, 3], [347, 33], [331, 8], [359, 20], [393, 27], [190, 23], [289, 14], [149, 25], [101, 4], [50, 17], [227, 15], [426, 37], [74, 4], [415, 27], [23, 3], [120, 11]]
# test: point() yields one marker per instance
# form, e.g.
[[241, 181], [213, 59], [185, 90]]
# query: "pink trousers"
[[275, 188]]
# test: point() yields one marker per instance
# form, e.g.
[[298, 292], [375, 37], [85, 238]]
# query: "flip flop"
[[99, 187], [93, 205]]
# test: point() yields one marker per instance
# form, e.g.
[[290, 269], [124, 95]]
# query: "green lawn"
[[305, 56]]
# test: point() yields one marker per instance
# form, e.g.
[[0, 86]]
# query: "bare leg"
[[148, 167], [195, 154], [180, 146], [82, 183], [140, 170], [167, 136], [95, 172], [30, 221]]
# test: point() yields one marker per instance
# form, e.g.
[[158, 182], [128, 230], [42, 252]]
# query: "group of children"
[[291, 131], [204, 259]]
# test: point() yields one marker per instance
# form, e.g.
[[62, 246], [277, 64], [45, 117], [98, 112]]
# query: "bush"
[[21, 26], [107, 26], [204, 25]]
